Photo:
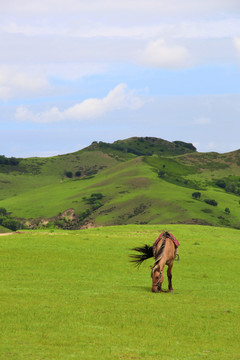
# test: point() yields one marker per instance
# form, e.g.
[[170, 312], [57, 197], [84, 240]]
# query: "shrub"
[[161, 173], [227, 211], [94, 198], [84, 214], [12, 224], [196, 195], [97, 205], [3, 211], [211, 202], [8, 161], [78, 173], [69, 174], [231, 187], [221, 183]]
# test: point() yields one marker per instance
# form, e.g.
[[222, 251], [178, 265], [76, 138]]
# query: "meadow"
[[75, 295]]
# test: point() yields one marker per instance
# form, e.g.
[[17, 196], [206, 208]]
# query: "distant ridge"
[[146, 146]]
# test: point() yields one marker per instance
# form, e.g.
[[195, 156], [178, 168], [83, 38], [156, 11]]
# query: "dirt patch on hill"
[[139, 182]]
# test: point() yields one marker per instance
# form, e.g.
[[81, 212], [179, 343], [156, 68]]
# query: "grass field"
[[75, 295]]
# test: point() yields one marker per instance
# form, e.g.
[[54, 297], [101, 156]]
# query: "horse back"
[[168, 253]]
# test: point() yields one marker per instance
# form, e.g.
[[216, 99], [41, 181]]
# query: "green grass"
[[74, 295]]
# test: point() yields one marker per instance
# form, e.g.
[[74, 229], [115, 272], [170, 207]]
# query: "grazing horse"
[[164, 251]]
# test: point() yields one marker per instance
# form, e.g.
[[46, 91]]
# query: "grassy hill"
[[137, 180], [4, 230]]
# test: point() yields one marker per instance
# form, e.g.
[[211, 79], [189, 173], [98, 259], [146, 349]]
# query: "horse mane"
[[158, 255], [145, 251]]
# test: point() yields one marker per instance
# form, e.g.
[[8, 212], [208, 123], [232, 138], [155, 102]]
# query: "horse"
[[164, 251]]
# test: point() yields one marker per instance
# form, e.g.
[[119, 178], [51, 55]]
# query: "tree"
[[68, 174], [231, 187], [12, 224], [211, 202], [95, 197], [221, 183], [227, 211], [196, 195], [3, 211], [161, 173]]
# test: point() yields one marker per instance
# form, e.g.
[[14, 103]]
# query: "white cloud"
[[159, 54], [236, 42], [72, 70], [14, 82], [91, 29], [118, 98], [137, 6], [110, 31]]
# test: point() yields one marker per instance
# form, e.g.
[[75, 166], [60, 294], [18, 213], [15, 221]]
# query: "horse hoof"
[[171, 291]]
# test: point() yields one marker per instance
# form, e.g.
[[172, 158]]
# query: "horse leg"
[[169, 274], [161, 278]]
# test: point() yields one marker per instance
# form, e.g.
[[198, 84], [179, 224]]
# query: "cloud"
[[14, 81], [160, 55], [118, 98], [136, 6], [236, 42]]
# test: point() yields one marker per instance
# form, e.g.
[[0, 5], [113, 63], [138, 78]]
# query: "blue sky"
[[76, 72]]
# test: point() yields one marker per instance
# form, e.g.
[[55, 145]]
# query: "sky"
[[73, 72]]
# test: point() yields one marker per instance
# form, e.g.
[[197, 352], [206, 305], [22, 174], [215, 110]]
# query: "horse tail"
[[145, 252]]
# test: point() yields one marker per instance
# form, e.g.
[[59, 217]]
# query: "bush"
[[84, 214], [161, 173], [78, 173], [94, 198], [196, 195], [97, 205], [69, 174], [12, 224], [221, 183], [211, 202], [8, 161], [3, 211], [231, 187], [8, 222]]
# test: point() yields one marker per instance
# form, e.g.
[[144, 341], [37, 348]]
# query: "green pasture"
[[75, 295]]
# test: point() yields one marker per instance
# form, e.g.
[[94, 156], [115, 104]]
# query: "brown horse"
[[164, 251]]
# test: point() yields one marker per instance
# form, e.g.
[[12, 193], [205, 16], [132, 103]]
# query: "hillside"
[[137, 180]]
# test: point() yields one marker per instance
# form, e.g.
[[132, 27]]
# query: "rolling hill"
[[137, 180]]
